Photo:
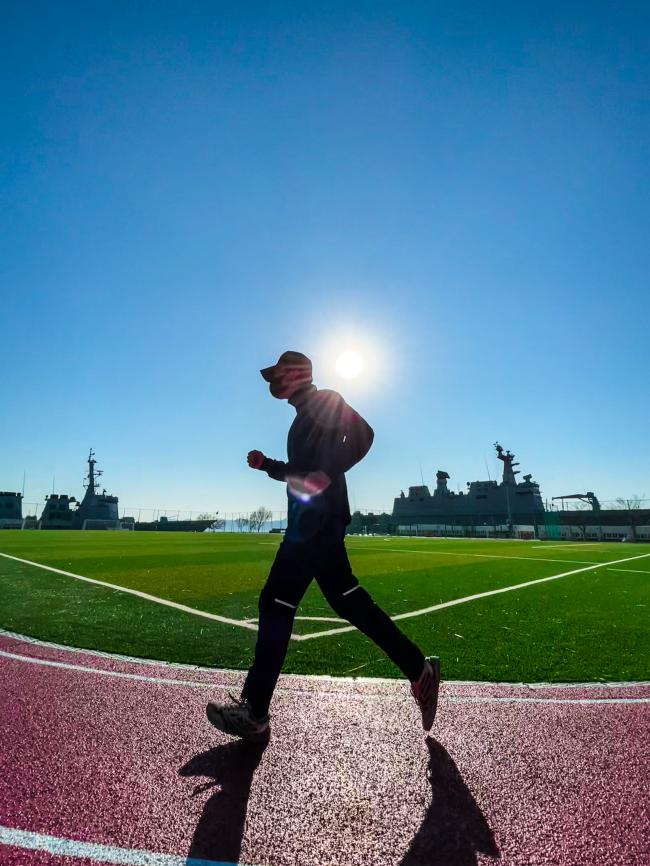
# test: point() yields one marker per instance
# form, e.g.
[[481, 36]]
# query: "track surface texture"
[[113, 752]]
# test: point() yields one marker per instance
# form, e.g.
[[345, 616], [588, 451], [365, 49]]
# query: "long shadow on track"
[[454, 829], [218, 835], [452, 833]]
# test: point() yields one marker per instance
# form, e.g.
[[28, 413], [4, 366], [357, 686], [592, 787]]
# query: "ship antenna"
[[487, 468], [90, 478], [421, 475]]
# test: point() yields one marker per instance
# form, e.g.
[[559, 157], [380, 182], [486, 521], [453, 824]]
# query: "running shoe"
[[425, 691], [238, 720]]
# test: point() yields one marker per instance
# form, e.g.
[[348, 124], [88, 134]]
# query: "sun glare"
[[353, 358], [349, 365]]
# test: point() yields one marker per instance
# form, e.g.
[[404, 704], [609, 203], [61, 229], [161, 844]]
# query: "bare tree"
[[242, 523], [217, 522], [634, 503], [258, 518]]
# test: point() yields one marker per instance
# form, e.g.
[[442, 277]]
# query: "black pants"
[[324, 557]]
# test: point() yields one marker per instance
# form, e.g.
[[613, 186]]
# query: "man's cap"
[[289, 361]]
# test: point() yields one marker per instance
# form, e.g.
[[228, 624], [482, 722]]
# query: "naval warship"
[[512, 508], [97, 510], [508, 503]]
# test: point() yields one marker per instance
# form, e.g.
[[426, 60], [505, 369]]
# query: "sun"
[[349, 365]]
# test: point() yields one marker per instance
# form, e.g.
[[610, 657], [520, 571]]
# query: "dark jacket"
[[326, 435]]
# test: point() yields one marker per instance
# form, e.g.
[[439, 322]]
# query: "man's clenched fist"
[[255, 459]]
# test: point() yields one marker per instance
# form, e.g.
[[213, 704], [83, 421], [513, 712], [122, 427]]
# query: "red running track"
[[115, 753]]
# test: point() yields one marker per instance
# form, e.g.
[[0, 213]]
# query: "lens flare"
[[349, 365]]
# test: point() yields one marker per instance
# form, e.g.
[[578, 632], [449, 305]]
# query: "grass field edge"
[[317, 677]]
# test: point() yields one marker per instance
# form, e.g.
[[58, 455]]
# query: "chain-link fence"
[[260, 519], [576, 503], [624, 518], [230, 521], [618, 520]]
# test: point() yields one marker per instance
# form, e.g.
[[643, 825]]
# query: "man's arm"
[[302, 483], [277, 469]]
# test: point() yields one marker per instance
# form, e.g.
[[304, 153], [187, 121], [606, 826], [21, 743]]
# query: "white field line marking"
[[57, 845], [112, 656], [311, 618], [629, 570], [467, 598], [136, 592], [455, 699], [86, 669], [621, 684], [480, 555], [566, 544]]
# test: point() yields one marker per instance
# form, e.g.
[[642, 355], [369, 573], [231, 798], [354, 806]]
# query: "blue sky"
[[188, 189]]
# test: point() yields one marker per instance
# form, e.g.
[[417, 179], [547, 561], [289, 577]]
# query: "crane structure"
[[589, 497]]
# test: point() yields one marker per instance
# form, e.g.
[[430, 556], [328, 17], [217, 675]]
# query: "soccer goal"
[[97, 523]]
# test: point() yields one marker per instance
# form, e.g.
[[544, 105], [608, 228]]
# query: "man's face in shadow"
[[287, 379]]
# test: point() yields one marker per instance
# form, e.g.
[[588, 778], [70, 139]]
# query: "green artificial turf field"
[[592, 625]]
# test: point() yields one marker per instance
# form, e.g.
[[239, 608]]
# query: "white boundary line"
[[620, 684], [121, 675], [566, 544], [242, 623], [12, 635], [454, 699], [26, 839], [629, 570], [328, 632], [480, 555], [139, 594], [478, 595], [312, 618]]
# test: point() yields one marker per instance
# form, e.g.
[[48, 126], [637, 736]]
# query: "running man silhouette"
[[326, 439]]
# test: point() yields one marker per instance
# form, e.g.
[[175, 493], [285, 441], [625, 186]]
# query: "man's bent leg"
[[286, 584], [351, 601]]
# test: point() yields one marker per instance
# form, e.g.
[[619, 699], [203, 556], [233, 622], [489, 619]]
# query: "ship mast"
[[508, 462], [93, 474], [508, 477]]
